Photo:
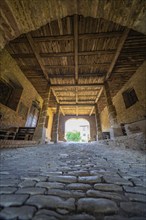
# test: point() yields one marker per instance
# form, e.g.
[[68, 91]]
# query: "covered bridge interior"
[[83, 58]]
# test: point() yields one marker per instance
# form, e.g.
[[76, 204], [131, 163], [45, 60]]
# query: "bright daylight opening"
[[77, 130]]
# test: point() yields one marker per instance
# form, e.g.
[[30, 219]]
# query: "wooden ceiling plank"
[[36, 53], [118, 51]]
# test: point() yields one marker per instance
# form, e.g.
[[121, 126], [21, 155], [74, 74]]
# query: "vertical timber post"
[[56, 124], [98, 123]]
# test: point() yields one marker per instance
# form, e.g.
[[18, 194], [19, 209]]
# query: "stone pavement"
[[72, 182]]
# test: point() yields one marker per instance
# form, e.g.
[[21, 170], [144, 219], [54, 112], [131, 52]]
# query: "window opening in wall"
[[33, 115], [130, 97], [10, 94], [77, 130]]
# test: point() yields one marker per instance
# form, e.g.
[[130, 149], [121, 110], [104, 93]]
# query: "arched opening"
[[77, 130]]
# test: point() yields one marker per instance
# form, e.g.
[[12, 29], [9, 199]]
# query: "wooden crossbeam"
[[82, 105], [74, 100], [64, 54], [79, 85], [73, 97], [70, 90], [37, 55], [119, 48], [31, 67], [71, 37], [57, 100], [76, 47], [30, 74], [83, 53], [96, 100]]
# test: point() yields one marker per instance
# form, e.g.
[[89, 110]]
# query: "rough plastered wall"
[[9, 69], [137, 111], [50, 123]]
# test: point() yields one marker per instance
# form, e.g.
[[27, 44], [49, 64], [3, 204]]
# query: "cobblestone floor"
[[72, 182]]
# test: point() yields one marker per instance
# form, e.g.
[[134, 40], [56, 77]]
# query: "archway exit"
[[77, 130]]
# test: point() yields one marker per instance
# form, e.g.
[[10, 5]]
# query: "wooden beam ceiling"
[[118, 51], [37, 55], [74, 54]]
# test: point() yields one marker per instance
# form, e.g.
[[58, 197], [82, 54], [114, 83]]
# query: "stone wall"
[[132, 141], [137, 111], [11, 71], [90, 119]]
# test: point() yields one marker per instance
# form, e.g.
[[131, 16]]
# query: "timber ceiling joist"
[[75, 56]]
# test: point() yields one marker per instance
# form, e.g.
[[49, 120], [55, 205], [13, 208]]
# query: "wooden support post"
[[57, 100], [98, 123], [119, 48], [56, 124], [76, 47]]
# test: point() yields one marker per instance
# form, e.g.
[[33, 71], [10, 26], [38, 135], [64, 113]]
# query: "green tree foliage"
[[73, 136]]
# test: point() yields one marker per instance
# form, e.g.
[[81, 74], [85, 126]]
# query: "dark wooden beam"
[[71, 89], [57, 100], [96, 100], [72, 97], [31, 67], [58, 76], [83, 53], [70, 37], [64, 54], [118, 51], [79, 85], [37, 55], [74, 100], [23, 55], [76, 47], [80, 65], [67, 105]]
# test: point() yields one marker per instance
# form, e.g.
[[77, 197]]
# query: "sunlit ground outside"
[[77, 130]]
